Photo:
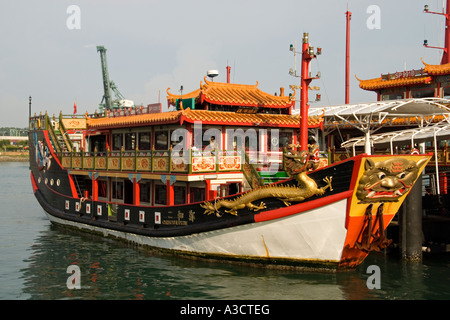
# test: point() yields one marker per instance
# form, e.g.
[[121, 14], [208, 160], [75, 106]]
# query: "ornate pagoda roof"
[[428, 72], [232, 94], [437, 69], [205, 116], [379, 83]]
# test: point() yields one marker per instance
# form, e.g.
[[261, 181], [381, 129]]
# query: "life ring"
[[316, 157], [415, 151]]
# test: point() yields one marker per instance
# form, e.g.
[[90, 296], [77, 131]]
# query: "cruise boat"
[[227, 175]]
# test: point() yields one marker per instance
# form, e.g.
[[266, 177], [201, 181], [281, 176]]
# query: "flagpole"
[[75, 107]]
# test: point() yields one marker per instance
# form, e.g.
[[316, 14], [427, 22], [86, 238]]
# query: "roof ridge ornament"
[[207, 82], [426, 64]]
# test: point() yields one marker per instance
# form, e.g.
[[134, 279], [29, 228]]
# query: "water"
[[34, 257]]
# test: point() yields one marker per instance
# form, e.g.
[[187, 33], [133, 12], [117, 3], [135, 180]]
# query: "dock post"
[[411, 237]]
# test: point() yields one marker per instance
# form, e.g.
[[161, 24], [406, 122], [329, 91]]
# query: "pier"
[[20, 156]]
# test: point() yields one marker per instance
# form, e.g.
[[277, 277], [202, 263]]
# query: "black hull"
[[54, 190]]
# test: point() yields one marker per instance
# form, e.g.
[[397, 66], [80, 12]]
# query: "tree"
[[4, 144]]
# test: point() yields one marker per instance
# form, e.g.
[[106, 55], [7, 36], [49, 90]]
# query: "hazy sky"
[[51, 55]]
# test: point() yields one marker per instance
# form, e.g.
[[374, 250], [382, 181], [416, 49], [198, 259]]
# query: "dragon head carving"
[[387, 180]]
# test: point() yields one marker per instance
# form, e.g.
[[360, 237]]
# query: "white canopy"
[[383, 109], [370, 117], [440, 130]]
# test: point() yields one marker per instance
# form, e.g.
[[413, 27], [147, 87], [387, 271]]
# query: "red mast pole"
[[228, 74], [305, 81], [447, 34], [347, 59], [446, 14]]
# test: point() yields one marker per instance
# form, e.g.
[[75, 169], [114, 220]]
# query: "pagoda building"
[[220, 139], [240, 98], [429, 81], [230, 105]]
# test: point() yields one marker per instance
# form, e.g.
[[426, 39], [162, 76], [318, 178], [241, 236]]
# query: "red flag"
[[75, 107]]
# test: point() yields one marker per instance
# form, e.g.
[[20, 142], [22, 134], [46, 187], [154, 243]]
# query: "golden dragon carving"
[[296, 166]]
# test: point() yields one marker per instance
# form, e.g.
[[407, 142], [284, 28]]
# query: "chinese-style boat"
[[228, 175]]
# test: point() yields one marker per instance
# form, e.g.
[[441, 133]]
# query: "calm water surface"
[[35, 256]]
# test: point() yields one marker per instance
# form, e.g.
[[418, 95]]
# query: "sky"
[[48, 49]]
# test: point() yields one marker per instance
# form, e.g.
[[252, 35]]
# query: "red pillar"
[[210, 194], [207, 189], [188, 144], [136, 192], [170, 200], [228, 74], [443, 182], [445, 58], [305, 81], [294, 137], [347, 59], [94, 188], [223, 138]]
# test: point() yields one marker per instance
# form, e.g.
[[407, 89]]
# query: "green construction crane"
[[107, 103]]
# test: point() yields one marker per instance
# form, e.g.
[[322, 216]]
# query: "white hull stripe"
[[317, 234]]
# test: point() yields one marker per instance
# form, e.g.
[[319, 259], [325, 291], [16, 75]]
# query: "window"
[[207, 138], [278, 141], [239, 139], [117, 190], [446, 92], [285, 139], [160, 194], [197, 194], [144, 191], [392, 96], [102, 189], [130, 141], [179, 194], [161, 141], [144, 141], [97, 143], [117, 141], [422, 93]]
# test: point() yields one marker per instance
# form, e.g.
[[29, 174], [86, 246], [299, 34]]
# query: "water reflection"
[[113, 270], [35, 257], [400, 280]]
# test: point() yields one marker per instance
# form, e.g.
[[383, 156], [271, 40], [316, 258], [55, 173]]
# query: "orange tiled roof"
[[248, 119], [379, 83], [206, 117], [234, 94], [436, 69], [430, 70], [134, 120]]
